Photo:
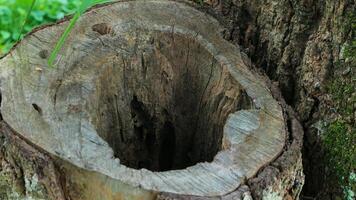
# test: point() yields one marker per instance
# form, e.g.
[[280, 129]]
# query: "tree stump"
[[146, 101]]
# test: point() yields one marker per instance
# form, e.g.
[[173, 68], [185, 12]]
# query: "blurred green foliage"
[[14, 12]]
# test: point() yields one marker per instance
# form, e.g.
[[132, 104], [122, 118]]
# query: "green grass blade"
[[62, 39], [84, 5], [81, 9], [26, 19]]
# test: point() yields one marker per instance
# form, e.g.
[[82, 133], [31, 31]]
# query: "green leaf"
[[15, 36], [59, 15], [21, 11], [5, 15], [5, 35], [38, 15]]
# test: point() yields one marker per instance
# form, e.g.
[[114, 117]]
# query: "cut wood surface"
[[145, 97]]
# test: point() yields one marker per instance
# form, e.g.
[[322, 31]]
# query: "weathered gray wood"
[[160, 58]]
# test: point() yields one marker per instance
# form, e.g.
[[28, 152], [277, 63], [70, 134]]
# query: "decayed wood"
[[143, 84]]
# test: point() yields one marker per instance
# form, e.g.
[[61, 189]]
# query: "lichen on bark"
[[299, 45], [25, 172]]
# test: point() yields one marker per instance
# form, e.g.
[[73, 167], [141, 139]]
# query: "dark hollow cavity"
[[161, 102]]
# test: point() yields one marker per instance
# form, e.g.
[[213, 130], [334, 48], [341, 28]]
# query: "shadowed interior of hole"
[[163, 103]]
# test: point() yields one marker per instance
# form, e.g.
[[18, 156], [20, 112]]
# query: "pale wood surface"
[[65, 123]]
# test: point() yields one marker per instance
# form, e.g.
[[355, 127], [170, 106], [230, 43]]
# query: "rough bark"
[[300, 45], [144, 84]]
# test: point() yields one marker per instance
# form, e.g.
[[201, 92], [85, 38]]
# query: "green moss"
[[340, 144], [10, 188], [342, 91], [339, 139]]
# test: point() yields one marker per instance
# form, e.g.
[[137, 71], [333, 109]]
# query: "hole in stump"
[[43, 54], [163, 106], [37, 108], [102, 28]]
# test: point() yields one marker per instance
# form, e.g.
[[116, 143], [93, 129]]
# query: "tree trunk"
[[146, 100], [301, 45]]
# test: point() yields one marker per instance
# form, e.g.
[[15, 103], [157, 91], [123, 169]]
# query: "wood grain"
[[159, 62]]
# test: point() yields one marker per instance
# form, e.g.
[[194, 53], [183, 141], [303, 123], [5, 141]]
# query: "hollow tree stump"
[[146, 101]]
